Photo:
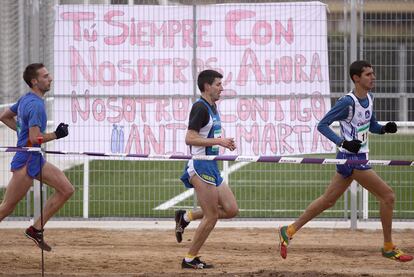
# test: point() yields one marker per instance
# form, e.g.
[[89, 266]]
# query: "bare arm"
[[34, 133], [8, 118], [193, 138]]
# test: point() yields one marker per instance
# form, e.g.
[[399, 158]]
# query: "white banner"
[[124, 75]]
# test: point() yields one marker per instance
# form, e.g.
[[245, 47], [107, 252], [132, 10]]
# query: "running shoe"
[[284, 241], [196, 263], [180, 225], [37, 237], [396, 254]]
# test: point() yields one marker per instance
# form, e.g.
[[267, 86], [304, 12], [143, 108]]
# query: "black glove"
[[352, 146], [61, 130], [390, 127]]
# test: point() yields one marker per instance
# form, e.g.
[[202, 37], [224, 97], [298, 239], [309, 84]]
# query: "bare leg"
[[384, 193], [227, 204], [16, 189], [55, 178], [208, 198], [335, 189]]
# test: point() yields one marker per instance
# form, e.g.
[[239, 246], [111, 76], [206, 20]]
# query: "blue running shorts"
[[207, 170], [346, 169], [32, 160]]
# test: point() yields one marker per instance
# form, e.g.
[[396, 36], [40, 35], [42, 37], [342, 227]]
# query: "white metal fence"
[[374, 30]]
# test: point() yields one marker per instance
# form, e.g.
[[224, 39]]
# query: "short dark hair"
[[357, 67], [30, 72], [207, 76]]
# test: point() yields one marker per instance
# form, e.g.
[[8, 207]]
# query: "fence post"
[[34, 57], [354, 191], [364, 201], [36, 200], [226, 171], [86, 189], [402, 83], [194, 71], [29, 202], [353, 56]]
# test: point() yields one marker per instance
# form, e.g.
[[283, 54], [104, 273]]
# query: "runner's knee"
[[70, 191], [232, 212], [67, 190], [389, 198]]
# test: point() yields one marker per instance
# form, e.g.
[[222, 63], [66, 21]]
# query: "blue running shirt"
[[31, 111]]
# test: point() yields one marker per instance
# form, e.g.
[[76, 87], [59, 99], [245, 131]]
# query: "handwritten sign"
[[124, 75]]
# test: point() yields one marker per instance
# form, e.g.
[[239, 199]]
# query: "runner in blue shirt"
[[355, 114], [28, 118]]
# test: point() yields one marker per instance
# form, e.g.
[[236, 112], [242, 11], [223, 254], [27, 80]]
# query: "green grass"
[[264, 190]]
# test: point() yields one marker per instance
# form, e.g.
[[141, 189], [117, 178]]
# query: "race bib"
[[363, 133], [217, 134]]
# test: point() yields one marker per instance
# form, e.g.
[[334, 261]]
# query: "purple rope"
[[265, 159]]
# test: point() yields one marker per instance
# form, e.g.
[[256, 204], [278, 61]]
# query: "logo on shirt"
[[367, 114]]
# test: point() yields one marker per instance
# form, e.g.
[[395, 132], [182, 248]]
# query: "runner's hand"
[[61, 130], [352, 146], [390, 127], [228, 143]]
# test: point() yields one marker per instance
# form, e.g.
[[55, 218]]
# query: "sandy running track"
[[234, 252]]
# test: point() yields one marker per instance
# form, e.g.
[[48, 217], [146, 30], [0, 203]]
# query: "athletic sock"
[[189, 258], [291, 230], [388, 246], [188, 216]]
